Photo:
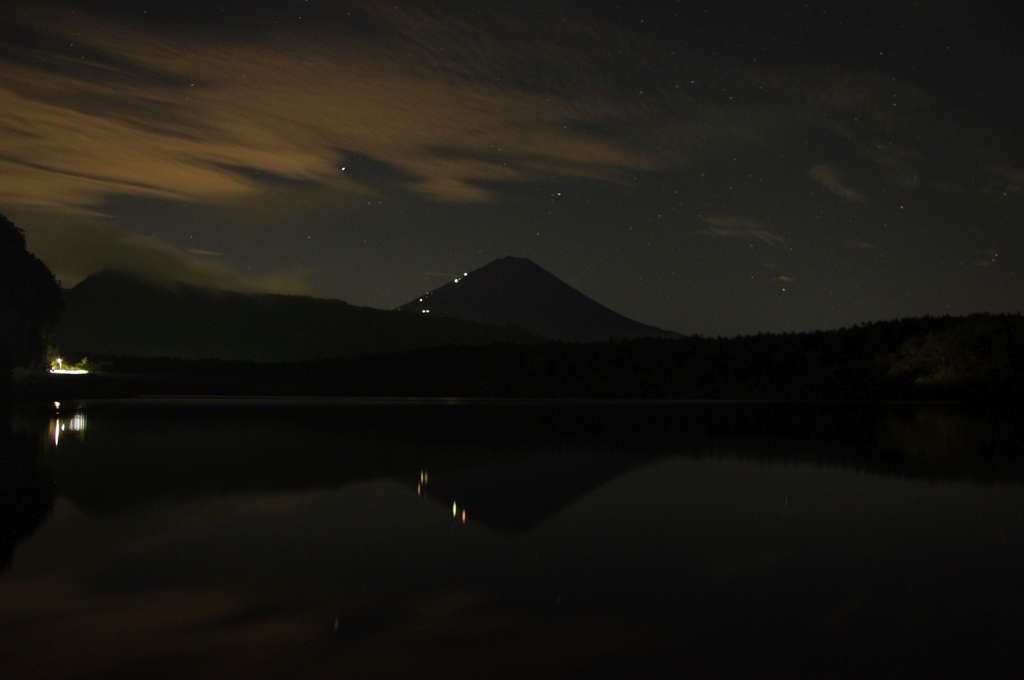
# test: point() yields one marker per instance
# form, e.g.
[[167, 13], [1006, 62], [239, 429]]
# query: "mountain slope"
[[514, 290], [116, 314]]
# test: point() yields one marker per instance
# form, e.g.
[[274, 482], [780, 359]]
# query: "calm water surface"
[[262, 539]]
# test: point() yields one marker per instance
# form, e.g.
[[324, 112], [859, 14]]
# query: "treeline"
[[976, 357], [30, 303]]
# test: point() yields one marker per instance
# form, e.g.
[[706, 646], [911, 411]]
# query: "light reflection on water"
[[221, 561], [75, 424]]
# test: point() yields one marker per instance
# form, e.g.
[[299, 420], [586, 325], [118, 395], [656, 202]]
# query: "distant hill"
[[117, 314], [514, 290]]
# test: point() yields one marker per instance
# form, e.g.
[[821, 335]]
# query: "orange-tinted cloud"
[[175, 116], [739, 227], [830, 178], [75, 250], [1003, 176]]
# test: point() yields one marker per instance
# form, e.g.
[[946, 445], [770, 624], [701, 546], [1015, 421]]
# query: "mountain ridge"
[[114, 313]]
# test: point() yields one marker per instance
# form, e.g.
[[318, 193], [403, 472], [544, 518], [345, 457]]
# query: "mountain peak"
[[517, 291]]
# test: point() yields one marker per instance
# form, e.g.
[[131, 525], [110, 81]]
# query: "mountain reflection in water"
[[285, 539]]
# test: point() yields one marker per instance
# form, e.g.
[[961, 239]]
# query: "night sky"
[[718, 168]]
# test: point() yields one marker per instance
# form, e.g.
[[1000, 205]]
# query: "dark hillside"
[[115, 314]]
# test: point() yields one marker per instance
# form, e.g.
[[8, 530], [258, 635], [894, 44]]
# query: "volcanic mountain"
[[514, 290]]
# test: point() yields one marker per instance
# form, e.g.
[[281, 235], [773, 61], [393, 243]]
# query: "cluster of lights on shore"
[[58, 367], [456, 280]]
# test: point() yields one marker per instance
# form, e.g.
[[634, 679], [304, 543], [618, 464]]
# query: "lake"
[[242, 538]]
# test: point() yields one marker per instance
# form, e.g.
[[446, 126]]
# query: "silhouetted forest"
[[976, 357], [30, 302]]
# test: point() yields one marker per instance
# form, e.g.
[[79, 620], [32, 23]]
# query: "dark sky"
[[708, 167]]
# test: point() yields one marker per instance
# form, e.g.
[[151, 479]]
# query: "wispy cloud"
[[86, 246], [739, 227], [125, 111], [830, 178], [1003, 176]]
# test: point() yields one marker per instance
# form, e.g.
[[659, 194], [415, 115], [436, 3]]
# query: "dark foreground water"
[[334, 539]]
